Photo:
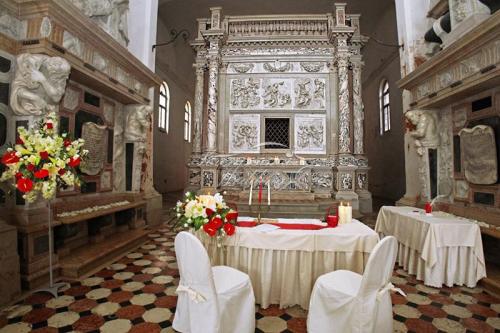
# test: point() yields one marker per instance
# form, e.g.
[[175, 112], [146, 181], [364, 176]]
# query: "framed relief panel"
[[310, 134], [244, 133]]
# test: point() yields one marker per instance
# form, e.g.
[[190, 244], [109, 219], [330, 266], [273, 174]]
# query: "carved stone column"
[[198, 107], [358, 107], [344, 138], [213, 75]]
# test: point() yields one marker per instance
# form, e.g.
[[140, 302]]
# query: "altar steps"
[[87, 259], [287, 209]]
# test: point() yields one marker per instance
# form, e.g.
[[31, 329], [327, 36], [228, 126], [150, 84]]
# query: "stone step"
[[89, 258]]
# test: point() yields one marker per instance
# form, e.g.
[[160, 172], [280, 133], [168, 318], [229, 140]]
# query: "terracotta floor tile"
[[38, 315], [420, 326], [476, 325], [77, 291], [38, 298], [166, 301], [481, 310], [272, 310], [438, 298], [111, 284], [432, 311], [130, 312], [81, 305], [153, 288], [297, 325], [398, 299], [142, 277], [105, 273], [120, 296], [88, 323], [146, 328], [487, 298]]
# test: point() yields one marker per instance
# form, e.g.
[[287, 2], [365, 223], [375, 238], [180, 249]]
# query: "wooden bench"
[[87, 239]]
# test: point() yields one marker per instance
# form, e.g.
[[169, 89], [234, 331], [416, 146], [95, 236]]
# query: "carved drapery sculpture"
[[138, 122], [425, 133], [110, 15], [39, 84]]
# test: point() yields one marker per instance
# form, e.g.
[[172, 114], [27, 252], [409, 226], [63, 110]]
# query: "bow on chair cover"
[[216, 299], [344, 301]]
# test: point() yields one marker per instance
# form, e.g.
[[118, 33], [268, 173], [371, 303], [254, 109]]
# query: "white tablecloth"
[[284, 264], [439, 248]]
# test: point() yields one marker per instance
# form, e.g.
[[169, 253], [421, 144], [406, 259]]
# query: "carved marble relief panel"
[[278, 67], [244, 133], [461, 189], [245, 93], [479, 154], [310, 134], [277, 93], [309, 93]]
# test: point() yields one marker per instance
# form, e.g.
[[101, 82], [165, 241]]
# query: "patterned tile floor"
[[137, 294]]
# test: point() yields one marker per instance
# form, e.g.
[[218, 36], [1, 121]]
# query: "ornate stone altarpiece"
[[280, 66]]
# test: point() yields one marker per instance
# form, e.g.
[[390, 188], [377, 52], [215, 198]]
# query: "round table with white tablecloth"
[[283, 264]]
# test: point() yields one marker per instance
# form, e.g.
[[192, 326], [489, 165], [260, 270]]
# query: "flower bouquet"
[[42, 160], [209, 212]]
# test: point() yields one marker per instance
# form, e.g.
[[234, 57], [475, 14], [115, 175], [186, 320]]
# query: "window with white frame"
[[187, 121], [164, 107], [385, 108]]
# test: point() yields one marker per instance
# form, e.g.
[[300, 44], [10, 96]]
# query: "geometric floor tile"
[[137, 294]]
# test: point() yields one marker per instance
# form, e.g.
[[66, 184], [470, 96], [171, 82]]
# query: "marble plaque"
[[95, 142], [310, 134], [479, 154], [244, 133]]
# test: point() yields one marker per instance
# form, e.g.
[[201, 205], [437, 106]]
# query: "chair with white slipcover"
[[215, 299], [344, 301]]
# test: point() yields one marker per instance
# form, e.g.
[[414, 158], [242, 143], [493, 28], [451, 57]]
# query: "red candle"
[[260, 189], [428, 208]]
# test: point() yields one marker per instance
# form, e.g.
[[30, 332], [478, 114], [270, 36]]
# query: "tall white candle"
[[251, 191], [342, 213], [269, 192], [348, 213]]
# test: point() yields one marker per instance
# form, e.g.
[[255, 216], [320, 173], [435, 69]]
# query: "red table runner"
[[290, 226]]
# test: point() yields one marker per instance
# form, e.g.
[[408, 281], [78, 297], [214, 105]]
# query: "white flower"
[[178, 215]]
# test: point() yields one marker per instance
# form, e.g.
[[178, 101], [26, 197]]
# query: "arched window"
[[385, 108], [187, 121], [164, 107]]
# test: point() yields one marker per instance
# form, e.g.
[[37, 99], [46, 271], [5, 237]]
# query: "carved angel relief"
[[245, 94], [39, 84], [245, 132], [310, 134], [276, 95]]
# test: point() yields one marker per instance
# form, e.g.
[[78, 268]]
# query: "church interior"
[[230, 166]]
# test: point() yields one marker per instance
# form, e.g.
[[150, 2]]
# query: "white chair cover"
[[211, 300], [344, 301]]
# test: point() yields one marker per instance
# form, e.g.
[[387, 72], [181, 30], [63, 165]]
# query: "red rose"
[[67, 142], [74, 162], [19, 141], [217, 222], [44, 155], [209, 212], [231, 216], [18, 175], [42, 173], [30, 167], [49, 126], [61, 172], [10, 157], [210, 229], [229, 229], [24, 185]]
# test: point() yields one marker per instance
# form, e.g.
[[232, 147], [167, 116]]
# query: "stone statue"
[[138, 122], [425, 133], [39, 84], [110, 15]]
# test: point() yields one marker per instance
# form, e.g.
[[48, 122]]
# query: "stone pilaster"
[[358, 107], [345, 184], [213, 76], [198, 106], [344, 113], [361, 188]]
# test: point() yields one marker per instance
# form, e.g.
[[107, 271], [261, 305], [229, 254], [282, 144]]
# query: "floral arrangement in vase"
[[209, 212], [42, 160]]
